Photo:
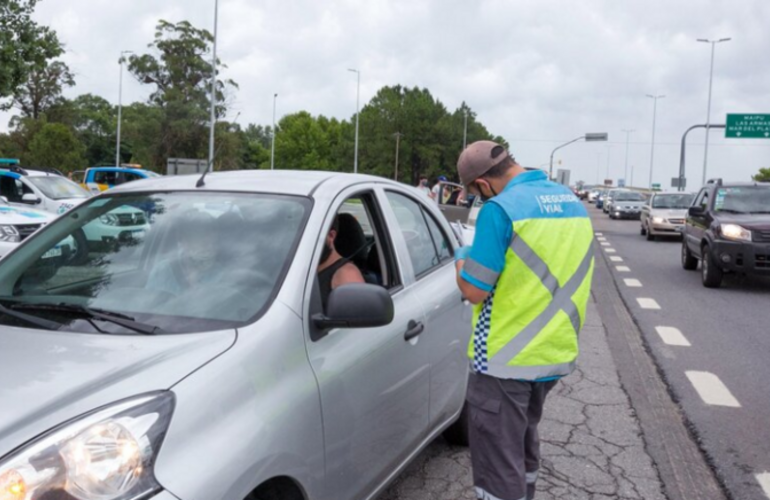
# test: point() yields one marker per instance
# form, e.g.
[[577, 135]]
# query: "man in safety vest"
[[529, 275]]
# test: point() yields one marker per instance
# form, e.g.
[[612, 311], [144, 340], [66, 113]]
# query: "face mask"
[[484, 197]]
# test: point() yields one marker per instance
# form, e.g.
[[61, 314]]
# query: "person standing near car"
[[423, 186], [529, 275]]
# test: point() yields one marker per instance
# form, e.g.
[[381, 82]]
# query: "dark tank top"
[[325, 278]]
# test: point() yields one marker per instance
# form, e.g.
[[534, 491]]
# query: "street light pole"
[[598, 167], [397, 135], [213, 86], [625, 171], [708, 108], [465, 130], [120, 104], [609, 150], [590, 137], [358, 95], [652, 143], [272, 145]]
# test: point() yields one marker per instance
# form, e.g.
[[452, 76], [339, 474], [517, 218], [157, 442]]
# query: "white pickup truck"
[[16, 224]]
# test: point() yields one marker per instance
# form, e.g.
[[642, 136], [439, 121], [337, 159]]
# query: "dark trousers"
[[505, 446]]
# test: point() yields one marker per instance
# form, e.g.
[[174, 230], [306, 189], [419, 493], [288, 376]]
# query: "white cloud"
[[535, 72]]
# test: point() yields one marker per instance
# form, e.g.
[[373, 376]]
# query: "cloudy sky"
[[539, 73]]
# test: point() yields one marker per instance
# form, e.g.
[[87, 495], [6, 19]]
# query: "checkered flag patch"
[[480, 335]]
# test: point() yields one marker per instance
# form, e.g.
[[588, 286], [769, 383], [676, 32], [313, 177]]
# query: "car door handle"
[[413, 329]]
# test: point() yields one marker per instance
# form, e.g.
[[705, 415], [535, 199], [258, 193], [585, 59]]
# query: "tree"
[[25, 46], [304, 143], [180, 70], [762, 176], [56, 146], [42, 89]]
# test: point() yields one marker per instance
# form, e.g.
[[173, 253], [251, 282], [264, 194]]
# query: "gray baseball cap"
[[477, 159]]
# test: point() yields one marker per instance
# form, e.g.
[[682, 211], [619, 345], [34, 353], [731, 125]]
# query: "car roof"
[[739, 184], [292, 182]]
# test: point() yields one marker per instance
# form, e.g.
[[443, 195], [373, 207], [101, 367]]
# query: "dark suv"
[[728, 230]]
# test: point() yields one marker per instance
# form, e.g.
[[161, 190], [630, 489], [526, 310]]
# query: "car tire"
[[689, 262], [650, 236], [710, 271], [457, 434]]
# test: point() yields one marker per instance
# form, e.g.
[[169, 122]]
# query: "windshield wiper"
[[100, 314], [42, 323]]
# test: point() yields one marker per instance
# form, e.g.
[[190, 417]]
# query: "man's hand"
[[471, 293]]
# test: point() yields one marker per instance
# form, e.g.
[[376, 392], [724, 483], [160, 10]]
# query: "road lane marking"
[[646, 303], [599, 234], [623, 269], [601, 238], [605, 243], [616, 258], [764, 482], [672, 336], [632, 283], [609, 250], [711, 390]]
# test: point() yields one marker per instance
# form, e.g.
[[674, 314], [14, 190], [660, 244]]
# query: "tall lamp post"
[[398, 136], [652, 143], [625, 171], [609, 150], [598, 167], [465, 130], [708, 108], [272, 144], [590, 137], [358, 95], [120, 104], [213, 86]]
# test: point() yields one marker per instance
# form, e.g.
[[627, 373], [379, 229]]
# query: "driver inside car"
[[335, 270], [194, 262]]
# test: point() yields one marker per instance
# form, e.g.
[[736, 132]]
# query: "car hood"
[[756, 221], [672, 213], [51, 377], [621, 203]]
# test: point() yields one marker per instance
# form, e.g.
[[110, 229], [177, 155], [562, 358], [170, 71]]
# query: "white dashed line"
[[764, 482], [672, 336], [609, 250], [605, 243], [632, 283], [616, 258], [599, 234], [601, 238], [711, 390], [645, 303], [623, 269]]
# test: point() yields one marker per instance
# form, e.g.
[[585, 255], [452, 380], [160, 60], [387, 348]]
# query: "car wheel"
[[457, 433], [650, 236], [689, 262], [710, 271]]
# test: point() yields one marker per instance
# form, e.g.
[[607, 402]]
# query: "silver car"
[[665, 214], [195, 361]]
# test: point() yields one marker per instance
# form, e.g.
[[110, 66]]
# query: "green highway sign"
[[745, 126]]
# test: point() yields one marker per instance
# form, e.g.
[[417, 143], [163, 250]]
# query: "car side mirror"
[[356, 305], [696, 211], [30, 199]]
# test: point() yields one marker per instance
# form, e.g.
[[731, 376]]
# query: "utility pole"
[[708, 108], [652, 143], [120, 104], [609, 149], [358, 95], [272, 145], [213, 86], [397, 135], [625, 171], [465, 130]]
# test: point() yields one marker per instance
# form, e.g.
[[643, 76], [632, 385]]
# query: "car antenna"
[[201, 182]]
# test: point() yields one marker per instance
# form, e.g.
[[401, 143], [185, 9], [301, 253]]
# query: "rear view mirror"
[[357, 305], [696, 211]]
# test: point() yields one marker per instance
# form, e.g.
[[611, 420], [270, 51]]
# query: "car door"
[[448, 318], [374, 382], [697, 224]]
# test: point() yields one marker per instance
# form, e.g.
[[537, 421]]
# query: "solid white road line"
[[672, 336], [646, 303], [609, 250], [616, 258], [711, 390], [632, 283], [623, 269], [764, 482]]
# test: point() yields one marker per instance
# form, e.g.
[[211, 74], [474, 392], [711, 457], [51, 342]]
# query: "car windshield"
[[58, 188], [747, 200], [182, 262], [672, 201], [629, 196]]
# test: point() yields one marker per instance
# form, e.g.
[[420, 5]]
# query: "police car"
[[44, 189], [98, 179]]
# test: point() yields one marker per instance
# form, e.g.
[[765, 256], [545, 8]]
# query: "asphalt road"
[[722, 378]]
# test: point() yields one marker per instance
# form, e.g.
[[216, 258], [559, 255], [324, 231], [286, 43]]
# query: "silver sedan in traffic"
[[664, 214]]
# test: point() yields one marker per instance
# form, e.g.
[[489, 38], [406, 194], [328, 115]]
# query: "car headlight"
[[658, 220], [105, 455], [9, 234], [735, 232], [109, 219]]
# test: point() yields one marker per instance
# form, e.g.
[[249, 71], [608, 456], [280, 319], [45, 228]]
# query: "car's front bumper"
[[666, 228], [626, 214], [742, 257]]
